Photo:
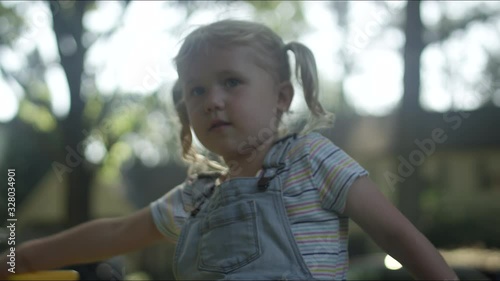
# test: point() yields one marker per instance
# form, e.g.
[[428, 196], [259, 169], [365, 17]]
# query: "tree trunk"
[[411, 187], [68, 26]]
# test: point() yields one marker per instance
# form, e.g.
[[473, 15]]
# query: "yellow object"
[[68, 275]]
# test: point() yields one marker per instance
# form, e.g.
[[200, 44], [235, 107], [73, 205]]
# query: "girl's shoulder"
[[199, 183], [194, 190], [311, 143], [312, 137]]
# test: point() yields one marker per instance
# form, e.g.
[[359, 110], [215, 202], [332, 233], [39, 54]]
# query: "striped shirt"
[[315, 191]]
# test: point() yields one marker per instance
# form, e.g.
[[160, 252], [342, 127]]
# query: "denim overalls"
[[240, 229]]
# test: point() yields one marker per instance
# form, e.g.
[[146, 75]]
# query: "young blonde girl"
[[271, 204]]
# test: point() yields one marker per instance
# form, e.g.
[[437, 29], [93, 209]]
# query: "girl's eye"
[[231, 82], [198, 91]]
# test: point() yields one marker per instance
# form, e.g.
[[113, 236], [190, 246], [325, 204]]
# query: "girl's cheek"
[[194, 108]]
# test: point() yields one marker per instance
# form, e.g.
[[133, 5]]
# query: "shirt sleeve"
[[171, 211], [333, 172]]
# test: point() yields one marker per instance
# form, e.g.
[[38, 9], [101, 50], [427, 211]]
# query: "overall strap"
[[275, 160], [202, 188]]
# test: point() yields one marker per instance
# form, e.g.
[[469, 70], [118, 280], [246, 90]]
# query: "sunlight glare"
[[95, 151], [10, 60], [433, 13], [433, 94], [375, 87], [324, 42], [59, 90], [104, 17], [138, 57], [9, 104], [391, 263], [45, 38]]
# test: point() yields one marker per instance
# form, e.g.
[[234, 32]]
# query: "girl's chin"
[[228, 152]]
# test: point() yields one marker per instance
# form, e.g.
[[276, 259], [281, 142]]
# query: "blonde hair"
[[272, 56]]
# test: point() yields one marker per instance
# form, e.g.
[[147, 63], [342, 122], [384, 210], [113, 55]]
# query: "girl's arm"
[[92, 241], [376, 215]]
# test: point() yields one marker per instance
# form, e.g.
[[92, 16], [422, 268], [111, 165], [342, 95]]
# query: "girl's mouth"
[[218, 124]]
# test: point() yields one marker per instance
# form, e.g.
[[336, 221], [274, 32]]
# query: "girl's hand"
[[89, 242]]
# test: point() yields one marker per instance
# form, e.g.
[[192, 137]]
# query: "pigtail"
[[186, 139], [198, 163], [307, 76]]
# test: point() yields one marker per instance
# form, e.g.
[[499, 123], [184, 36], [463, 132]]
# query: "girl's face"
[[232, 102]]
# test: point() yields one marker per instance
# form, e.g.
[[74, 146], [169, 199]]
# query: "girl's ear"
[[285, 96]]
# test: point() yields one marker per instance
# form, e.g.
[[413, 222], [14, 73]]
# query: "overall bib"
[[240, 229]]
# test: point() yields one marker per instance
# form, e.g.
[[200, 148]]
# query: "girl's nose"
[[214, 100]]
